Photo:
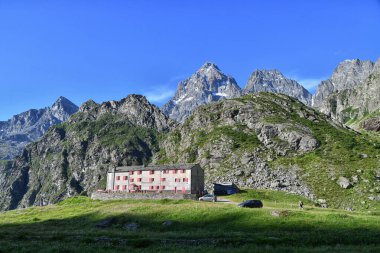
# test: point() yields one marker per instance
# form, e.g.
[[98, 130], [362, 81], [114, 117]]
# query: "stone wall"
[[140, 195]]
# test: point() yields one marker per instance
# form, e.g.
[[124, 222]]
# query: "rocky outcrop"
[[207, 85], [73, 157], [372, 124], [344, 182], [348, 75], [361, 98], [29, 126], [274, 81]]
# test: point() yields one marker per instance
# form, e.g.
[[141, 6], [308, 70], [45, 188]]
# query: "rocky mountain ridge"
[[29, 126], [208, 84], [274, 81], [74, 157], [357, 100], [346, 76]]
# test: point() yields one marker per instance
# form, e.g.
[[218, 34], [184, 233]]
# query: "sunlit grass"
[[214, 227]]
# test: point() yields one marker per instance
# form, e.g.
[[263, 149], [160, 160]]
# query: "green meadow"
[[70, 226]]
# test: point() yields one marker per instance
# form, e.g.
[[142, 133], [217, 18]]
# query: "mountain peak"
[[208, 65], [62, 100], [62, 104], [274, 81], [209, 68], [346, 76], [207, 85]]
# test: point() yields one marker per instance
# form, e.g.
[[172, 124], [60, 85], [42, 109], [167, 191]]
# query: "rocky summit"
[[274, 81], [347, 75], [207, 85], [29, 126], [358, 101]]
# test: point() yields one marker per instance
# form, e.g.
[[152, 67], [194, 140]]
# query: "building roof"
[[186, 166], [231, 184]]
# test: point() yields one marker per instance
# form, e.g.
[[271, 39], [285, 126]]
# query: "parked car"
[[208, 197], [252, 203]]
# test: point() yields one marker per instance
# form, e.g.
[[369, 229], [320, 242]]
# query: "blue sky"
[[105, 50]]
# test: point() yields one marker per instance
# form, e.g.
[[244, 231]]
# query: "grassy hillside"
[[227, 139], [197, 227]]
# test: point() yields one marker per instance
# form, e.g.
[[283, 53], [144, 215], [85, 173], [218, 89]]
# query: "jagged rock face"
[[74, 157], [372, 124], [207, 85], [135, 109], [29, 126], [352, 104], [348, 75], [275, 82]]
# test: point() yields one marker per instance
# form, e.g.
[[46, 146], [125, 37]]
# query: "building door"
[[175, 189], [183, 189]]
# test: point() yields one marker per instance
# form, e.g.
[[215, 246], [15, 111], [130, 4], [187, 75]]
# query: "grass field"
[[197, 227]]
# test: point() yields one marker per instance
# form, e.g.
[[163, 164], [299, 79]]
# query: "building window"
[[156, 187], [124, 187], [177, 180], [131, 172], [151, 172], [131, 180], [116, 187], [163, 179], [139, 172], [139, 180], [117, 177], [162, 187], [185, 180], [174, 171], [151, 179], [183, 171], [151, 187], [166, 171], [124, 178]]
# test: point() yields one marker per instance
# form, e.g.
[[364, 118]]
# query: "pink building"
[[176, 178]]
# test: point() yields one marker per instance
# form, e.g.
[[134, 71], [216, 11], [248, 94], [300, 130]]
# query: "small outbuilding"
[[227, 188]]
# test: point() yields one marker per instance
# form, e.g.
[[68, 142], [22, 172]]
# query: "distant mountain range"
[[344, 96], [29, 126]]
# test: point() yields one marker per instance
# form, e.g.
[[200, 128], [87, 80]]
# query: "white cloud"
[[310, 84], [159, 95]]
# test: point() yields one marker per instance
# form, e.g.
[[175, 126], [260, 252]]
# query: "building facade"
[[176, 178]]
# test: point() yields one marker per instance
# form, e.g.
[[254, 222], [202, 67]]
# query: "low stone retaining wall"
[[140, 195]]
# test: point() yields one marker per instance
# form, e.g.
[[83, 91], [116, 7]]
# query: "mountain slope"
[[29, 126], [208, 84], [73, 157], [273, 141], [347, 75], [275, 82], [354, 105]]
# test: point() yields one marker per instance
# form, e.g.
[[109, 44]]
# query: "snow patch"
[[220, 94]]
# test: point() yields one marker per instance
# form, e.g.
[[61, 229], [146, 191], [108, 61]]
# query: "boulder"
[[344, 182], [105, 223], [133, 226], [278, 213], [167, 223]]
